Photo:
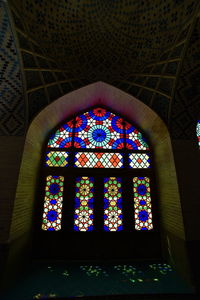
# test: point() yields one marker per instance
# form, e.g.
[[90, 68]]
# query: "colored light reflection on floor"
[[41, 296], [46, 281], [94, 271], [162, 268]]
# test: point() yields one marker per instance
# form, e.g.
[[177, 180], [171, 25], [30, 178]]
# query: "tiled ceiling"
[[97, 39], [140, 46]]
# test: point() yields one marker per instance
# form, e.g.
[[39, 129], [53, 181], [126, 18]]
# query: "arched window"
[[97, 175], [198, 132]]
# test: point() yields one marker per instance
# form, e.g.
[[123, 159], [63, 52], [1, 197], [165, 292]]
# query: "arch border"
[[100, 93]]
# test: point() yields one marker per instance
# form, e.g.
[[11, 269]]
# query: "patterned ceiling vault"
[[96, 37], [12, 106], [148, 48], [186, 102]]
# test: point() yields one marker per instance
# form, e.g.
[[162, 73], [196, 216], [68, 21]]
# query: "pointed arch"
[[102, 94], [98, 128]]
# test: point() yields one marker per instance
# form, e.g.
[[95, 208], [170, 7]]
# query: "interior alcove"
[[100, 93]]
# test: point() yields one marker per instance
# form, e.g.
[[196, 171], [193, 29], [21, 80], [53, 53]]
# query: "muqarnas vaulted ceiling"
[[95, 38], [138, 46]]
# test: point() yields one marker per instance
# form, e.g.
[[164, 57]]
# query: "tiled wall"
[[12, 104]]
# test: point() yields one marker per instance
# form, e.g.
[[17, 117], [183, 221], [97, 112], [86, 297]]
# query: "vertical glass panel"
[[134, 139], [98, 160], [139, 160], [83, 217], [99, 128], [56, 159], [142, 203], [53, 199], [62, 138], [112, 204], [198, 132]]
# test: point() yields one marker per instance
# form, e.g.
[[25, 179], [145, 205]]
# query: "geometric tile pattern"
[[12, 106], [52, 213], [143, 56], [142, 203], [112, 204], [62, 138], [136, 33], [139, 160], [83, 215], [56, 159], [96, 129], [186, 103], [98, 160]]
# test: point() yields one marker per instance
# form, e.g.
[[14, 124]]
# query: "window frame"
[[73, 172]]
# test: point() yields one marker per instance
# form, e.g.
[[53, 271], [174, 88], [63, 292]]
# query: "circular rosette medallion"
[[81, 123], [113, 190], [99, 114], [54, 188], [99, 136], [141, 189], [143, 215], [117, 124], [68, 126], [84, 191], [52, 215]]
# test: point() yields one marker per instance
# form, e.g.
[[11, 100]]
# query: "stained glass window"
[[83, 217], [139, 160], [142, 203], [198, 132], [112, 204], [134, 138], [97, 139], [53, 199], [98, 160], [62, 138], [98, 128], [56, 159]]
